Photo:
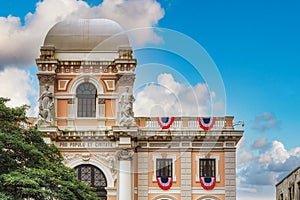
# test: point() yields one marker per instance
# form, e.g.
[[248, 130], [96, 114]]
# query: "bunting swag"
[[206, 123], [165, 122], [164, 183], [208, 183]]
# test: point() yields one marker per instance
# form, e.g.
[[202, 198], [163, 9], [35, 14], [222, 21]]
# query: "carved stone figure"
[[46, 107], [126, 101]]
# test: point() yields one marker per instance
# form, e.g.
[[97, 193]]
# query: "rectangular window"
[[164, 167], [207, 167]]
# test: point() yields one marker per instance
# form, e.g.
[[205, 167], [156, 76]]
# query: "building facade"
[[289, 187], [86, 73]]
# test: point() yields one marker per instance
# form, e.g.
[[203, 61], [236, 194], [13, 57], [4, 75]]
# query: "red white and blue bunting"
[[206, 123], [208, 183], [164, 183], [165, 122]]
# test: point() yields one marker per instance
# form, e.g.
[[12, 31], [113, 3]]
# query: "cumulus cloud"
[[170, 98], [19, 88], [265, 122], [267, 168], [20, 44]]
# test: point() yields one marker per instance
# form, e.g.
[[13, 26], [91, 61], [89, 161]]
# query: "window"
[[207, 167], [164, 168], [94, 177], [86, 95]]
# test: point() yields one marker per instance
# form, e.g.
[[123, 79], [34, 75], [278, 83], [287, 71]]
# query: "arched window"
[[86, 96], [94, 177]]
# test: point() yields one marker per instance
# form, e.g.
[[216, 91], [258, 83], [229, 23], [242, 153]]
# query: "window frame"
[[155, 157], [207, 163], [202, 156], [168, 163]]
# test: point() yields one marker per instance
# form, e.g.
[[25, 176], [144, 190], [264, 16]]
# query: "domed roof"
[[86, 35]]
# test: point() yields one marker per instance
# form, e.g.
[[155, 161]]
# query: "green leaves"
[[29, 167]]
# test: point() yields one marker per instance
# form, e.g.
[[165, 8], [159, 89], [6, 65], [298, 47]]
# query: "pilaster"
[[230, 175], [143, 169], [186, 176]]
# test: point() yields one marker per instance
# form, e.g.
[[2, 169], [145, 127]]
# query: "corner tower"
[[85, 63], [86, 75]]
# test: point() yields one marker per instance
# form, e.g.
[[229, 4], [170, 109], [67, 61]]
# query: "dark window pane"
[[86, 94], [207, 167], [164, 167]]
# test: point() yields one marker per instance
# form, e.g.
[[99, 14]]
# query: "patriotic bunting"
[[206, 123], [165, 122], [164, 183], [208, 183]]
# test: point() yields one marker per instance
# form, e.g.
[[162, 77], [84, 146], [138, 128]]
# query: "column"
[[125, 174]]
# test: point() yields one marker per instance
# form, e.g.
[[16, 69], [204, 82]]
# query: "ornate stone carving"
[[68, 157], [101, 101], [125, 154], [46, 78], [71, 101], [126, 100], [109, 161], [126, 79], [46, 108]]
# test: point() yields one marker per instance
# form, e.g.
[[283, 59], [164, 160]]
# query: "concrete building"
[[289, 187], [86, 73]]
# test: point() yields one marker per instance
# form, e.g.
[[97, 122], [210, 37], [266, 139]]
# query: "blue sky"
[[255, 46]]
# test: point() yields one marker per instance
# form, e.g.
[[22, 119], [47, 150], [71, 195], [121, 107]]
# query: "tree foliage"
[[31, 169]]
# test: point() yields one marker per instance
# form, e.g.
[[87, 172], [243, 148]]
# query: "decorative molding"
[[126, 79], [46, 79], [62, 84], [110, 85], [125, 154]]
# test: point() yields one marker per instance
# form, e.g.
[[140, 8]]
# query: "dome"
[[86, 35]]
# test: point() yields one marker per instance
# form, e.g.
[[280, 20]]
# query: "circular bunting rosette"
[[206, 123], [165, 122], [164, 183], [208, 183]]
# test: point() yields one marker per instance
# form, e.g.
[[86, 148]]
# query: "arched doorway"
[[94, 177]]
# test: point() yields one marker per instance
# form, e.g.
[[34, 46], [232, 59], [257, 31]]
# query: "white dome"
[[86, 35]]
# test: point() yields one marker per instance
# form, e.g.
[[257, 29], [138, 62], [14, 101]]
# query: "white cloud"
[[266, 169], [19, 45], [170, 98], [18, 87]]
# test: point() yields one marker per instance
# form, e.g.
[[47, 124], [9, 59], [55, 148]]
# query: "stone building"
[[86, 73], [289, 187]]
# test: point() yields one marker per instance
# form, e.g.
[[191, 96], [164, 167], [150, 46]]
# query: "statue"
[[46, 107], [126, 101]]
